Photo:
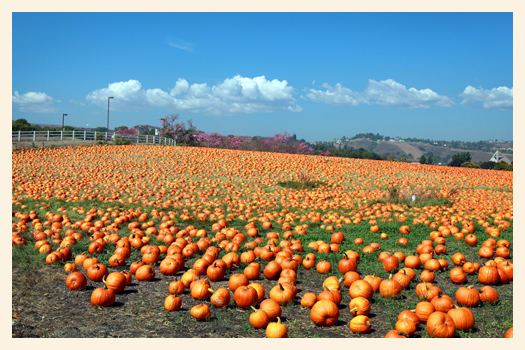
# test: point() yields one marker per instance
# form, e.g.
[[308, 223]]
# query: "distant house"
[[413, 161], [498, 157]]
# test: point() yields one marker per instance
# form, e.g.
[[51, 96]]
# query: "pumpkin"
[[145, 273], [76, 281], [324, 313], [115, 281], [200, 290], [96, 272], [421, 290], [220, 298], [176, 287], [488, 275], [324, 267], [395, 334], [245, 296], [488, 295], [237, 280], [169, 267], [281, 294], [360, 324], [427, 276], [103, 297], [346, 264], [457, 275], [276, 330], [252, 271], [332, 283], [442, 303], [261, 294], [467, 296], [350, 277], [423, 310], [463, 318], [201, 312], [509, 333], [134, 266], [359, 306], [272, 308], [308, 300], [402, 278], [361, 288], [259, 319], [406, 326], [172, 303], [375, 281], [458, 259], [272, 270], [409, 315], [414, 262], [215, 272], [390, 288], [390, 263], [440, 325]]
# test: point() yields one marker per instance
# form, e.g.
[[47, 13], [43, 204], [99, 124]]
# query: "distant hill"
[[415, 149], [144, 128]]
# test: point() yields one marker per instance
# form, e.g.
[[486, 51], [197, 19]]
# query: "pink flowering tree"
[[182, 133]]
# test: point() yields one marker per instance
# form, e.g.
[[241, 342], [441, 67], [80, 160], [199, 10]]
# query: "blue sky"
[[442, 76]]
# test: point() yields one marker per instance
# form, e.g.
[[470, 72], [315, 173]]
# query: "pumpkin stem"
[[278, 320], [354, 309], [211, 291], [254, 309]]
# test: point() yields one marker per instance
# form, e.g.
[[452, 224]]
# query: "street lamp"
[[108, 119], [63, 115]]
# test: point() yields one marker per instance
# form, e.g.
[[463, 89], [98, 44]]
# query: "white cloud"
[[37, 102], [497, 98], [389, 93], [233, 96], [337, 96], [180, 44]]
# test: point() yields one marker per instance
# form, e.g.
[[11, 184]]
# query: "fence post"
[[34, 135], [61, 135], [95, 137], [137, 139], [18, 135], [84, 135], [153, 139], [147, 138], [73, 134], [48, 135]]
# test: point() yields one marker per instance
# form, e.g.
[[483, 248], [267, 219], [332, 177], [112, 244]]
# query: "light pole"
[[108, 119], [63, 115]]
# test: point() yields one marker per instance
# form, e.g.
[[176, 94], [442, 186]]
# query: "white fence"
[[35, 136]]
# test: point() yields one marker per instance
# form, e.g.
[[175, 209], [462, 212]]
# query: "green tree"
[[503, 165], [403, 158], [470, 165], [460, 158], [487, 165], [423, 159]]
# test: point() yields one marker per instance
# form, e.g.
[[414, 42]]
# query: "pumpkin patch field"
[[181, 242]]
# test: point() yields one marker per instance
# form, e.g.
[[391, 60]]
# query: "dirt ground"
[[43, 306]]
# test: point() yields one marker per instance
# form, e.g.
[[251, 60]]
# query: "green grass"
[[492, 320]]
